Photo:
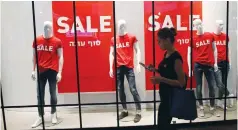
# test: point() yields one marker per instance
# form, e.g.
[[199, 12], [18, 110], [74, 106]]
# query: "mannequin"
[[205, 62], [125, 45], [50, 63], [223, 63]]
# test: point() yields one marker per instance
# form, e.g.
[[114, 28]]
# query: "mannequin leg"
[[52, 89], [120, 86], [209, 74], [40, 98], [122, 95], [41, 92], [225, 68], [132, 85], [224, 73], [219, 83], [53, 96], [198, 71]]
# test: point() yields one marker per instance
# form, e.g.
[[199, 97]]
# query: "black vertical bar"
[[38, 73], [153, 39], [227, 53], [191, 45], [115, 59], [3, 111], [77, 64]]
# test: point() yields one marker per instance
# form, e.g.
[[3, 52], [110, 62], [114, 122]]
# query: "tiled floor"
[[19, 120]]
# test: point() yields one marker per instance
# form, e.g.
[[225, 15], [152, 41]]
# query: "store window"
[[93, 82]]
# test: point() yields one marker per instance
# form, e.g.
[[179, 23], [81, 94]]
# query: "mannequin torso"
[[203, 43], [125, 45], [48, 43], [220, 41]]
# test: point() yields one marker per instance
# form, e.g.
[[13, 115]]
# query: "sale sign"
[[94, 29], [169, 14]]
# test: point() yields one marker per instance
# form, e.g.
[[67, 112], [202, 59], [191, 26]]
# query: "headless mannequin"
[[121, 32], [200, 31], [219, 29], [126, 69], [218, 32], [48, 33]]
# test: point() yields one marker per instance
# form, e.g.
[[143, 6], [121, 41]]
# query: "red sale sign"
[[169, 14], [94, 24]]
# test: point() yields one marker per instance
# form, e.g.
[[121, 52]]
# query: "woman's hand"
[[156, 79], [152, 68]]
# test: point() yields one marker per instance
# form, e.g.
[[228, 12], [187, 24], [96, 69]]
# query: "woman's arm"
[[180, 73]]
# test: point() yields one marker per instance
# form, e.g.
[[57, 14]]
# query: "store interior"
[[98, 100]]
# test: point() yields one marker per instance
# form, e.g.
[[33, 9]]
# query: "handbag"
[[183, 103]]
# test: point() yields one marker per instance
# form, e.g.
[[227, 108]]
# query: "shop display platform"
[[20, 119]]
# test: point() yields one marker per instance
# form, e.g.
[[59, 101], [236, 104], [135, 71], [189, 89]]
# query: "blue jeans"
[[49, 75], [129, 73], [220, 84], [208, 71]]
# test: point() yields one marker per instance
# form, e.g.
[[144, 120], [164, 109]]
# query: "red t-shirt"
[[125, 50], [47, 53], [202, 44], [220, 41]]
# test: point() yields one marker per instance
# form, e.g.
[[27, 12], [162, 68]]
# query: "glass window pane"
[[231, 112]]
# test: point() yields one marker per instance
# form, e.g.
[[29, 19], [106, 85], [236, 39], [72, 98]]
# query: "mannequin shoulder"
[[57, 40]]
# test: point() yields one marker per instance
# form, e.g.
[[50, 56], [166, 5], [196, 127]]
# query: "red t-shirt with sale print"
[[125, 50], [47, 52], [220, 41], [202, 44]]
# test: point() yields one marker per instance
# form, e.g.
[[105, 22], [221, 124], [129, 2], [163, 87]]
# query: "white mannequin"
[[48, 33], [121, 32], [200, 31], [218, 31]]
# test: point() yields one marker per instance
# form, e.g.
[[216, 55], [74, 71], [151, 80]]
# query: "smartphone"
[[147, 67]]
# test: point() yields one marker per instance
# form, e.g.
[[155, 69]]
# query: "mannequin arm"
[[229, 51], [34, 60], [189, 61], [138, 56], [61, 59], [111, 57], [215, 52], [138, 53], [215, 55]]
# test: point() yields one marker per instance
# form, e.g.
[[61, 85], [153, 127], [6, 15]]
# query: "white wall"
[[17, 36]]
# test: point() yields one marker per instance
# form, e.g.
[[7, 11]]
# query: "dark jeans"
[[209, 74], [221, 87], [49, 75], [129, 72], [224, 67]]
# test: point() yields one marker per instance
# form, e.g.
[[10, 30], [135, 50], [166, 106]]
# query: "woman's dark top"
[[166, 69]]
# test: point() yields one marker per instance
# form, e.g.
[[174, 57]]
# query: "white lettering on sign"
[[203, 43], [44, 48], [85, 43], [122, 45], [220, 43], [183, 41], [104, 22], [167, 22]]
